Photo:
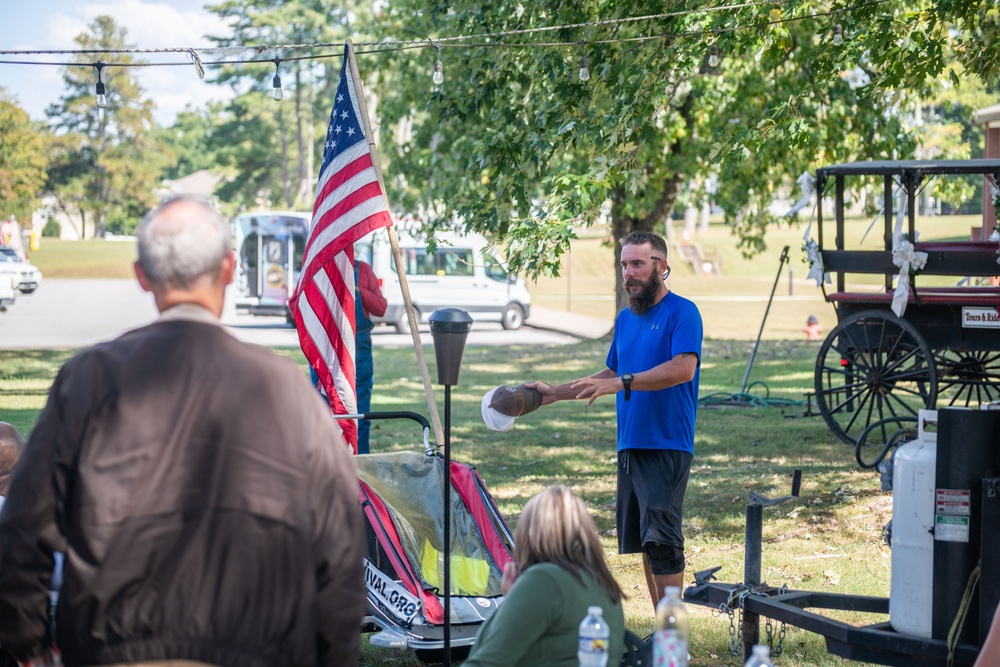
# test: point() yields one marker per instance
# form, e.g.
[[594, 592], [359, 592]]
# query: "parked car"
[[8, 284], [460, 273], [28, 275]]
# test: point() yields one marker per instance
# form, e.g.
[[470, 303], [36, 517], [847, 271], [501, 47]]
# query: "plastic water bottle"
[[592, 650], [672, 632], [761, 657]]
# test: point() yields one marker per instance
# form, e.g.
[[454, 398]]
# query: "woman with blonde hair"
[[558, 571]]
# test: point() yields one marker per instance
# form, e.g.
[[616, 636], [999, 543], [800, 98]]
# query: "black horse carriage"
[[928, 334]]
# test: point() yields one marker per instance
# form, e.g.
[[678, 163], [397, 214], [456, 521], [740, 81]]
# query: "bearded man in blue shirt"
[[653, 368]]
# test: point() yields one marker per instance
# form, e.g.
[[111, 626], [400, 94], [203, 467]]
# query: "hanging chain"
[[733, 642], [781, 640], [733, 608], [782, 628]]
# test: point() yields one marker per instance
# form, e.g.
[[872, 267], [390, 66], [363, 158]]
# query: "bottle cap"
[[675, 590], [761, 649], [595, 611]]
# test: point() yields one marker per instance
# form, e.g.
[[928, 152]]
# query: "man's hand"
[[545, 389], [510, 574], [591, 388]]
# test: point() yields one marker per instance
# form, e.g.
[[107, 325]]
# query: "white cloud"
[[158, 24], [149, 25]]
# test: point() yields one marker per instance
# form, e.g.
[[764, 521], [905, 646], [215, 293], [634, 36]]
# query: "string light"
[[713, 55], [713, 61], [102, 99], [438, 76], [276, 93]]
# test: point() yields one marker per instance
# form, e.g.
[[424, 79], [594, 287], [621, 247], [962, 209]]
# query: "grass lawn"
[[830, 540], [84, 259]]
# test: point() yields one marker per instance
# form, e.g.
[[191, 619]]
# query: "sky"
[[52, 24]]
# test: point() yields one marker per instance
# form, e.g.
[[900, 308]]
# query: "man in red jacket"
[[369, 301]]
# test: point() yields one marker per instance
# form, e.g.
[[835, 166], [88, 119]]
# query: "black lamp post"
[[449, 327]]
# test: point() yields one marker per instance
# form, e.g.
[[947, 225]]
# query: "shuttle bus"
[[269, 252]]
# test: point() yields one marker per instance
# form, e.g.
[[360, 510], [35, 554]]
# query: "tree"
[[249, 142], [515, 145], [189, 139], [106, 163], [257, 24], [23, 159]]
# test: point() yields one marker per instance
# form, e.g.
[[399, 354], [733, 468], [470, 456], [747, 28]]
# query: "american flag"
[[349, 204]]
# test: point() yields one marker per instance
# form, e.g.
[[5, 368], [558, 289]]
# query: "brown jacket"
[[206, 502]]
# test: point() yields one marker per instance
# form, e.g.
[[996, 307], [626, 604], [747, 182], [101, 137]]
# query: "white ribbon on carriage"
[[905, 256], [815, 264], [808, 184]]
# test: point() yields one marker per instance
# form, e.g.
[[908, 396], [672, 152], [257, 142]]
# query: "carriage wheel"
[[967, 378], [873, 366]]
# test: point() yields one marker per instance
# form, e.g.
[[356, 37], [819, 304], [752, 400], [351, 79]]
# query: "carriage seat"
[[959, 296]]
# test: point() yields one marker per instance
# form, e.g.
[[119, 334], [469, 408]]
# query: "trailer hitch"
[[700, 592]]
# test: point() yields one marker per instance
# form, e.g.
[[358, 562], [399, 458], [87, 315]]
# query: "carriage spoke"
[[906, 406], [857, 412], [968, 377], [887, 370], [902, 360], [913, 392], [911, 374], [859, 399]]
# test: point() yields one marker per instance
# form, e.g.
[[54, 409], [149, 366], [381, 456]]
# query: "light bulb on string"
[[584, 70], [438, 76], [838, 35], [713, 57], [102, 98], [276, 94]]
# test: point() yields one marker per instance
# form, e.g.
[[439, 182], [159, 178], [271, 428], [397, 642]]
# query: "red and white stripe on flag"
[[349, 204]]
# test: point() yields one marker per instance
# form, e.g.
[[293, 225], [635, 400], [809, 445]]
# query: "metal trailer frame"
[[877, 643]]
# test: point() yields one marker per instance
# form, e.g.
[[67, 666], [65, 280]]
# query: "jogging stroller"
[[402, 497]]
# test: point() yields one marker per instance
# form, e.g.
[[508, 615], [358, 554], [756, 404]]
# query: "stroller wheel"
[[435, 656]]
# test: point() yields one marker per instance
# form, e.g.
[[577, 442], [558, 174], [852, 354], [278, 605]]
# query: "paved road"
[[77, 313]]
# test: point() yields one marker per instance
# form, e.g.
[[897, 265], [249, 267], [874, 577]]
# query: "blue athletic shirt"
[[661, 419]]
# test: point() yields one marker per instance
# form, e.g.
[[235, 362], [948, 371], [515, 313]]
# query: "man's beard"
[[640, 302]]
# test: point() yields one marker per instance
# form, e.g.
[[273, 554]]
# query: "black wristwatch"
[[627, 384]]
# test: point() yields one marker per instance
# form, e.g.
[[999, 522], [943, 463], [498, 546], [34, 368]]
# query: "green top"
[[538, 622]]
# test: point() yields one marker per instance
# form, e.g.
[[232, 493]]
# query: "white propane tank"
[[911, 588]]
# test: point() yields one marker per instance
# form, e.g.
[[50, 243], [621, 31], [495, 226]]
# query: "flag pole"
[[396, 254]]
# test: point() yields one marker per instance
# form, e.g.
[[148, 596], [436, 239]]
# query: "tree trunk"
[[300, 135], [622, 225], [286, 177], [310, 148]]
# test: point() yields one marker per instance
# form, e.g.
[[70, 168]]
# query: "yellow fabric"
[[469, 576], [429, 559]]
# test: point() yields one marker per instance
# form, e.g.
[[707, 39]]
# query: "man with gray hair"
[[203, 496]]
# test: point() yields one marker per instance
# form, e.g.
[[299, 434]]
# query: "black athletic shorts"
[[651, 486]]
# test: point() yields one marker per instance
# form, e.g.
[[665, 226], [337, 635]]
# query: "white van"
[[461, 273]]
